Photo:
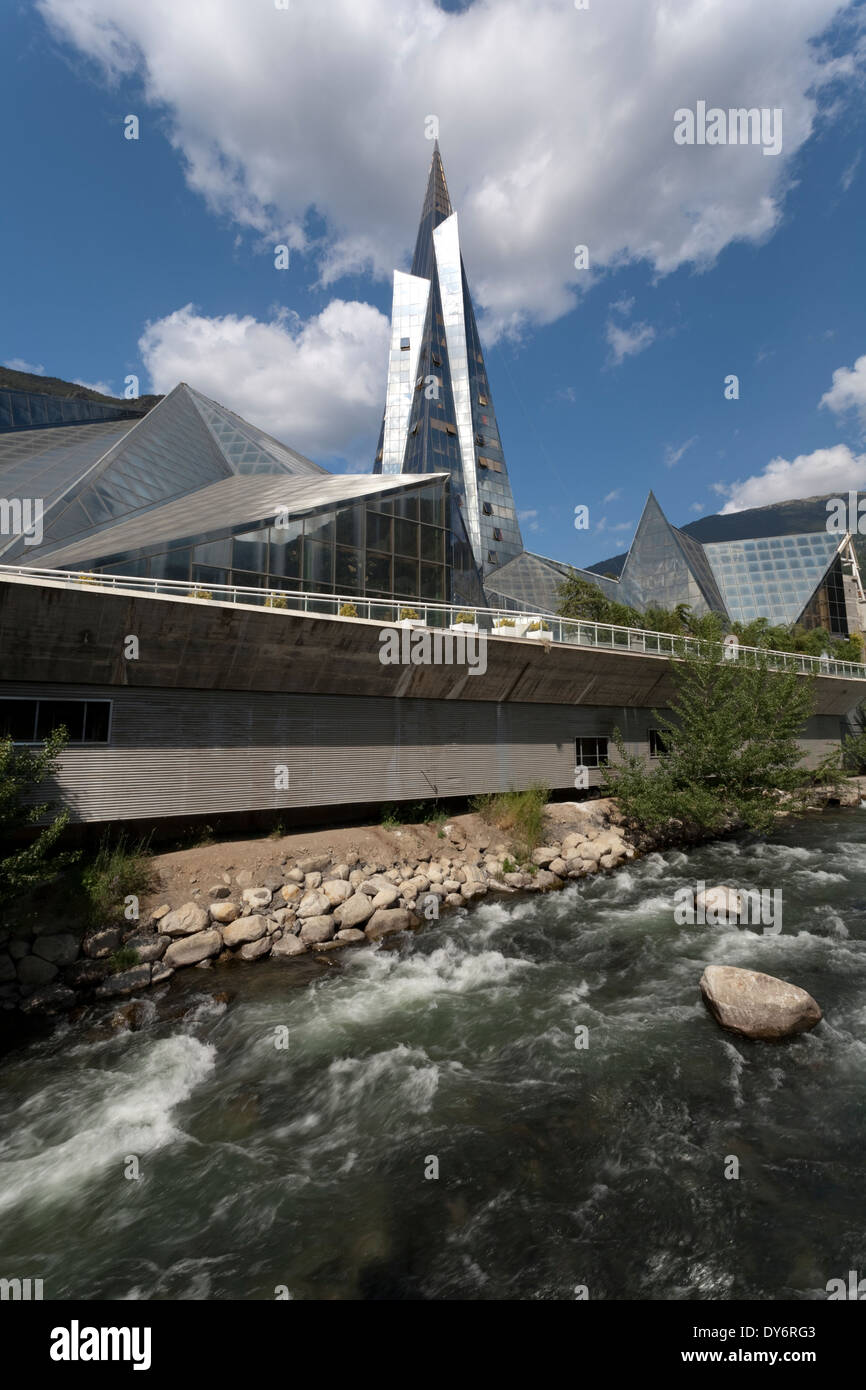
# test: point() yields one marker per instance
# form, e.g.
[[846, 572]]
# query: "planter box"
[[465, 628], [540, 635], [512, 630], [410, 623]]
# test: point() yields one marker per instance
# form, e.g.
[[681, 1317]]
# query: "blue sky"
[[707, 261]]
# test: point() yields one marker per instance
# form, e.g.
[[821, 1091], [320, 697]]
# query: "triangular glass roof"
[[771, 577]]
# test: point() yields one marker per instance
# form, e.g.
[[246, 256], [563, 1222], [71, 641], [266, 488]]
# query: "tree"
[[580, 598], [22, 770], [731, 740]]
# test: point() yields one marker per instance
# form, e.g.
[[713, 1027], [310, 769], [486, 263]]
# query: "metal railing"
[[498, 622]]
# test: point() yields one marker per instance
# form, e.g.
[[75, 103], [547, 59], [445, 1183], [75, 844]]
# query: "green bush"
[[464, 616], [116, 872], [124, 959], [408, 614], [276, 601], [519, 813], [348, 610], [22, 771]]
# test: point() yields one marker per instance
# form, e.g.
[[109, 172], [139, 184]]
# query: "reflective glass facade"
[[453, 425], [772, 577], [381, 547], [30, 410]]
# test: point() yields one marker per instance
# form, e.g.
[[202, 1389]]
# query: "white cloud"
[[318, 385], [556, 127], [696, 507], [848, 391], [848, 175], [103, 387], [623, 526], [526, 516], [628, 342], [17, 364], [674, 452], [833, 470], [613, 496]]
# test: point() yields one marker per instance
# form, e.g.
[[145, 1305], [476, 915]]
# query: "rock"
[[102, 943], [354, 911], [224, 912], [386, 897], [314, 904], [295, 876], [285, 917], [340, 871], [19, 949], [313, 880], [288, 946], [159, 912], [544, 855], [350, 935], [62, 950], [243, 930], [149, 948], [244, 879], [218, 890], [558, 866], [184, 921], [452, 885], [33, 971], [577, 867], [52, 1000], [256, 898], [453, 900], [313, 863], [317, 929], [413, 886], [7, 969], [253, 950], [271, 878], [160, 971], [125, 982], [757, 1005], [376, 883], [84, 974], [192, 949], [720, 904], [291, 892], [356, 878], [387, 920], [336, 890]]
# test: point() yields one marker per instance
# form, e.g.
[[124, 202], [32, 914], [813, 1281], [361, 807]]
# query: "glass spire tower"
[[439, 414]]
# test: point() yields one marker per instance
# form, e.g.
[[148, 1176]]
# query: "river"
[[307, 1167]]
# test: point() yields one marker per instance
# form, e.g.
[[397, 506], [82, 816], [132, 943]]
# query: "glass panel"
[[350, 526], [18, 720], [214, 553], [318, 561], [432, 583], [319, 528], [406, 505], [349, 569], [285, 554], [378, 531], [378, 574], [432, 544], [250, 551], [209, 574], [244, 579], [431, 501], [406, 577], [406, 538], [174, 565], [54, 713], [96, 721]]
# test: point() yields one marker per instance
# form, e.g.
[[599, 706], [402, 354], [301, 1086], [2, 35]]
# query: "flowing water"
[[306, 1167]]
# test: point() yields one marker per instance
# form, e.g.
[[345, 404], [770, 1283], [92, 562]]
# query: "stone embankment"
[[303, 905]]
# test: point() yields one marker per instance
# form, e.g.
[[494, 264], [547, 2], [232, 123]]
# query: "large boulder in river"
[[189, 950], [244, 930], [757, 1005], [720, 904], [355, 911]]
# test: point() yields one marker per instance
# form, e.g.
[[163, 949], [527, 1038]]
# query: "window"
[[590, 752], [487, 509], [497, 533], [31, 721], [437, 361], [491, 558], [479, 439], [404, 344], [494, 464], [482, 400], [657, 745]]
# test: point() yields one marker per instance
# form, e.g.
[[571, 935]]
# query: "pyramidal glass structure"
[[439, 414]]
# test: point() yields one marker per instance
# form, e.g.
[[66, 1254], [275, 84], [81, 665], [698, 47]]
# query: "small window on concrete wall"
[[590, 752], [657, 745]]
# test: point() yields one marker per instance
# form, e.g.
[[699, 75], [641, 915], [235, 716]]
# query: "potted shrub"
[[276, 601], [540, 631], [409, 617], [348, 610], [464, 622], [506, 627], [201, 593]]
